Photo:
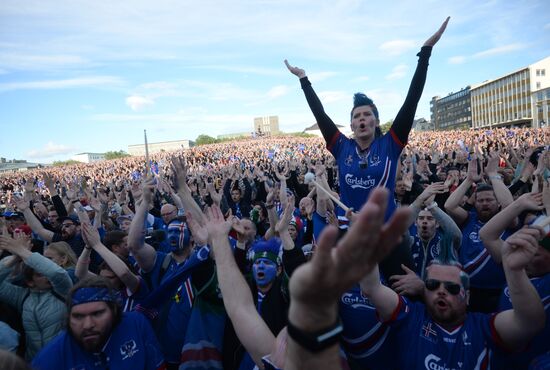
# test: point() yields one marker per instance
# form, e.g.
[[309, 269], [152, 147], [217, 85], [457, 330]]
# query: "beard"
[[442, 312], [92, 340]]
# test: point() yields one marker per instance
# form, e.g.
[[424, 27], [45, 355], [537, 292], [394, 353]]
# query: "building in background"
[[422, 125], [452, 112], [237, 135], [266, 126], [518, 99], [314, 130], [88, 157], [17, 165], [163, 146]]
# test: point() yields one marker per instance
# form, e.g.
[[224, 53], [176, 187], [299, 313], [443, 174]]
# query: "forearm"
[[502, 193], [58, 277], [383, 298], [288, 243], [36, 226], [326, 125], [446, 223], [82, 264], [128, 278], [403, 121], [59, 206], [456, 196]]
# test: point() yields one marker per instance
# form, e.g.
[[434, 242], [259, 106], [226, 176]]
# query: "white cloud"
[[99, 81], [499, 50], [397, 47], [49, 150], [136, 102], [398, 72], [459, 59], [278, 91], [22, 61], [320, 76], [333, 96]]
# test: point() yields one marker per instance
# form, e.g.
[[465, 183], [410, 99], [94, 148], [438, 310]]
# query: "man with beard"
[[431, 225], [99, 336], [487, 277], [440, 334]]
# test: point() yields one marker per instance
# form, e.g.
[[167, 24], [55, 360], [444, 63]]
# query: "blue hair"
[[447, 257]]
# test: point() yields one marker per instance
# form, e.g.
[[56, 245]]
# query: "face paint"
[[264, 271], [177, 235]]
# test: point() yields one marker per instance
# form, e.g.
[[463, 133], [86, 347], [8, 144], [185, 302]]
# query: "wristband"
[[318, 341]]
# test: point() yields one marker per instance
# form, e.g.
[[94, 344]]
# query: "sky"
[[89, 76]]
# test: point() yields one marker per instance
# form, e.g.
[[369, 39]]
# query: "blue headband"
[[93, 294]]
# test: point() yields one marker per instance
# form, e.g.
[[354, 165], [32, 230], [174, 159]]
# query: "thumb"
[[407, 270]]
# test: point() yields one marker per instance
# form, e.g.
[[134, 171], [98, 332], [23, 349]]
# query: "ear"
[[279, 270]]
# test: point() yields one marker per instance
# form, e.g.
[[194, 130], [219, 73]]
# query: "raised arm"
[[252, 331], [452, 205], [517, 326], [128, 278], [490, 232], [326, 125], [403, 121], [317, 286], [502, 193], [33, 222], [144, 254]]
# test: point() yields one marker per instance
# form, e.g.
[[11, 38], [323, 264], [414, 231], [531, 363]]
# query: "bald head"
[[168, 212]]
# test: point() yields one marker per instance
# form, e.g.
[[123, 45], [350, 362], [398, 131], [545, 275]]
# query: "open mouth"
[[261, 275], [441, 304], [362, 126]]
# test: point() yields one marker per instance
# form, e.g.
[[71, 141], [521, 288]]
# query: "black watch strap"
[[318, 341]]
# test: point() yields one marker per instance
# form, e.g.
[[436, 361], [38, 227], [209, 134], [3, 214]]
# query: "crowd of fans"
[[190, 263]]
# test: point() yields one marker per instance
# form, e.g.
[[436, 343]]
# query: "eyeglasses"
[[452, 288]]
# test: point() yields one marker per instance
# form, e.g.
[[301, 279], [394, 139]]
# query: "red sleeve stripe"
[[332, 141], [496, 337], [396, 139]]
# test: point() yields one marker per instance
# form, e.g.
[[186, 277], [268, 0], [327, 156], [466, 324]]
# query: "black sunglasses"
[[452, 288]]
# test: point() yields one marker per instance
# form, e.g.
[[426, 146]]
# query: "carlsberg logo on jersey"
[[358, 182], [431, 363]]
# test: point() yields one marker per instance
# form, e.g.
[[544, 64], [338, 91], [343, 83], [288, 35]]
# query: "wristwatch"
[[318, 341]]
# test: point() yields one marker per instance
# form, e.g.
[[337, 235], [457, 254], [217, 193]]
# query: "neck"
[[364, 142], [264, 289], [181, 254], [452, 325]]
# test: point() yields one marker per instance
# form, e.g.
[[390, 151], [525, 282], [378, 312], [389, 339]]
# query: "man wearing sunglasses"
[[439, 333]]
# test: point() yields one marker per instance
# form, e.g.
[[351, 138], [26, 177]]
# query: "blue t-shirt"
[[422, 344], [540, 344], [484, 272], [132, 345], [365, 339], [360, 172]]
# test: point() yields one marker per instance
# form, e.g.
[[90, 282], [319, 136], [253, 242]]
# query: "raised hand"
[[299, 72], [473, 176], [216, 225], [530, 202], [409, 284], [337, 265], [179, 171], [282, 225], [436, 36], [90, 235], [199, 232], [520, 248], [491, 169]]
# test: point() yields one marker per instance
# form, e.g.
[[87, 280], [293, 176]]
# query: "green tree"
[[65, 163], [116, 154], [205, 139], [385, 127]]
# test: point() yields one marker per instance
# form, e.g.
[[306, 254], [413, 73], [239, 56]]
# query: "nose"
[[88, 323]]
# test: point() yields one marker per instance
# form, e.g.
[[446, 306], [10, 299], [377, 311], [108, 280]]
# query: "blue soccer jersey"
[[540, 344], [360, 172], [422, 256], [423, 344], [365, 339], [132, 345], [484, 272]]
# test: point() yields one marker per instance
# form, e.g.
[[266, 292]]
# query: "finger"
[[287, 65], [407, 270], [322, 256]]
